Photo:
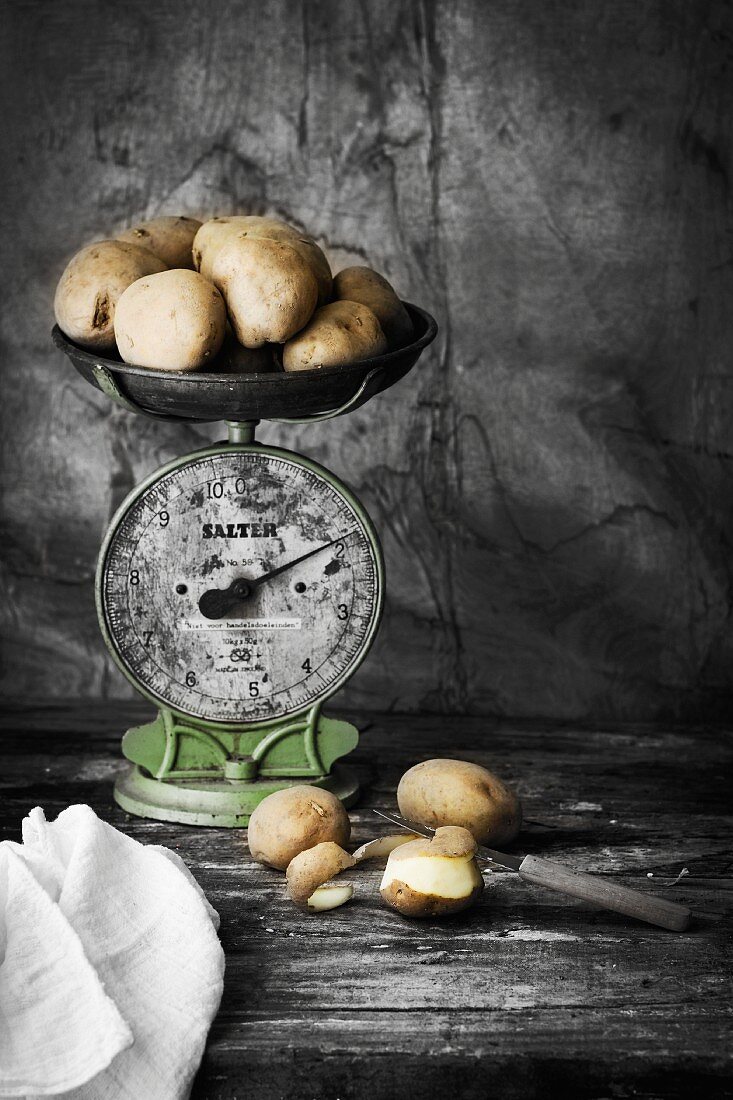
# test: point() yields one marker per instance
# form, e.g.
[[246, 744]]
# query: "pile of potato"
[[237, 294], [303, 831]]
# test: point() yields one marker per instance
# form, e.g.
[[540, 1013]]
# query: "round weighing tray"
[[208, 396]]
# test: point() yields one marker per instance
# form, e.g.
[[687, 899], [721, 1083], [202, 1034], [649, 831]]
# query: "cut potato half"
[[330, 896]]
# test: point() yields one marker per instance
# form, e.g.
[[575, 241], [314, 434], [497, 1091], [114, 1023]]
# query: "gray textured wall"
[[552, 180]]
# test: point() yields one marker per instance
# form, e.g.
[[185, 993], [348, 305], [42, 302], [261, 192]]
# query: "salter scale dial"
[[239, 587]]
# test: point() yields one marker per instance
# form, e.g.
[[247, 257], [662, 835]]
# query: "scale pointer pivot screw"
[[215, 603]]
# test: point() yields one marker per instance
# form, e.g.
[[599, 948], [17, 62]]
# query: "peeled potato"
[[91, 286], [294, 819], [339, 333], [363, 284], [433, 877], [174, 320], [168, 238], [214, 234], [270, 290], [457, 792]]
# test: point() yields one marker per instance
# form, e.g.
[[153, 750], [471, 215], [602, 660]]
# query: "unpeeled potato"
[[363, 284], [270, 290], [302, 243], [214, 234], [456, 792], [339, 333], [168, 238], [294, 819], [92, 284], [174, 320]]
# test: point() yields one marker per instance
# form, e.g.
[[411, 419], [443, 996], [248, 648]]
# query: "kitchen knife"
[[592, 888]]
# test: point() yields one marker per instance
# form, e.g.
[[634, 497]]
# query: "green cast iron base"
[[224, 803], [197, 772]]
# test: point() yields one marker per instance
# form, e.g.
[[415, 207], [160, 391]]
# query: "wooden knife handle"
[[606, 893]]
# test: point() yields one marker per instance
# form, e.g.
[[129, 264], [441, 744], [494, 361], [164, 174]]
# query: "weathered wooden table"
[[529, 994]]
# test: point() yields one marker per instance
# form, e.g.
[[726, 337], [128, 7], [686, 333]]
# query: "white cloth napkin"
[[110, 967]]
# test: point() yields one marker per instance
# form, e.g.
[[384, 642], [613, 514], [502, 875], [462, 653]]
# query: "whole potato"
[[90, 287], [269, 289], [168, 238], [174, 320], [456, 792], [294, 819], [362, 284], [306, 246], [315, 257], [339, 333], [215, 233]]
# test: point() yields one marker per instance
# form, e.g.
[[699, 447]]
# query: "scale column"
[[241, 431]]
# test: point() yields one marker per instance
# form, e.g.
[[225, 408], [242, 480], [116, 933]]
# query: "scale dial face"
[[240, 586]]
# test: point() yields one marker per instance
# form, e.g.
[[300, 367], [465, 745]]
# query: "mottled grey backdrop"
[[553, 181]]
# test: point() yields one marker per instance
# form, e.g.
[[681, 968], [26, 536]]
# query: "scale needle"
[[215, 602]]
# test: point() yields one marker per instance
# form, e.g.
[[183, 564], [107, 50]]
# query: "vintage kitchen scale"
[[239, 587]]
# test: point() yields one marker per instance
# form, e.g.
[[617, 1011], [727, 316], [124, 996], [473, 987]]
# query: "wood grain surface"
[[527, 995], [554, 484]]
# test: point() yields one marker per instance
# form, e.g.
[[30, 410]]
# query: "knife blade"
[[564, 880], [499, 859]]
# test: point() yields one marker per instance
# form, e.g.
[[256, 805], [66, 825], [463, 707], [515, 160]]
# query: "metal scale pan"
[[207, 396]]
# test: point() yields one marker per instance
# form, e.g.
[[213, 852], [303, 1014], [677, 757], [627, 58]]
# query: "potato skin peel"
[[313, 868], [456, 792], [294, 819], [450, 841], [383, 846]]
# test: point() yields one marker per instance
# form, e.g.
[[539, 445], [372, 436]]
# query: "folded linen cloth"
[[110, 967]]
